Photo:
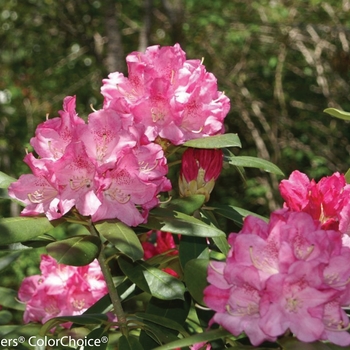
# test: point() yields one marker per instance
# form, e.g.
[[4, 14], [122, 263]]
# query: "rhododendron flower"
[[100, 168], [287, 274], [61, 290], [326, 200], [175, 98], [199, 170]]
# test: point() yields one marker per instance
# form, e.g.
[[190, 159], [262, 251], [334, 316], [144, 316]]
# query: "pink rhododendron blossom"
[[175, 98], [106, 168], [61, 290], [288, 274], [200, 168], [326, 201]]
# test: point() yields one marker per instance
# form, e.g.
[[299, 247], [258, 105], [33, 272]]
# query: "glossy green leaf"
[[176, 222], [197, 338], [9, 299], [21, 229], [129, 343], [98, 334], [195, 277], [152, 280], [76, 251], [5, 180], [187, 205], [337, 113], [190, 248], [253, 162], [234, 213], [174, 310], [122, 237], [217, 141], [90, 319]]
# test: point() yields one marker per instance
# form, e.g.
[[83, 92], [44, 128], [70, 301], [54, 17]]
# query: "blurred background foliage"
[[280, 62]]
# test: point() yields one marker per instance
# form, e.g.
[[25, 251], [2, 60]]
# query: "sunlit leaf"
[[5, 180], [76, 251], [21, 229], [152, 280], [176, 222], [122, 237], [187, 205], [195, 277], [217, 141], [337, 113], [253, 162]]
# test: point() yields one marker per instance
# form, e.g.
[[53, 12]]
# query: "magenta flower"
[[326, 201], [61, 290]]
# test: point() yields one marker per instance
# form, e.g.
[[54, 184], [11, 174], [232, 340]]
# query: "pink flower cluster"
[[61, 290], [290, 274], [110, 167], [176, 99]]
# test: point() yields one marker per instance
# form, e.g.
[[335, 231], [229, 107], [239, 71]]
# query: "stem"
[[112, 291]]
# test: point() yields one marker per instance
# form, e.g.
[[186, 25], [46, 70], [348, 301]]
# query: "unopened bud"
[[199, 170]]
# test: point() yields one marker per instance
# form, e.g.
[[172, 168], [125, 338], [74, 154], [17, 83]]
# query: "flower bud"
[[199, 170]]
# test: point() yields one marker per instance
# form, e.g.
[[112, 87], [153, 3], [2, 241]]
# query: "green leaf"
[[129, 343], [21, 229], [174, 310], [190, 248], [9, 298], [76, 251], [5, 317], [98, 334], [217, 141], [195, 277], [234, 213], [5, 180], [347, 176], [337, 113], [187, 205], [197, 338], [8, 259], [162, 321], [122, 237], [90, 319], [152, 280], [253, 162], [176, 222]]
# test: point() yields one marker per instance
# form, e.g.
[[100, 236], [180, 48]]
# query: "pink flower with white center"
[[37, 190], [293, 301], [287, 274], [104, 137], [53, 135], [122, 192], [61, 290], [75, 176], [326, 201], [176, 99], [200, 168]]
